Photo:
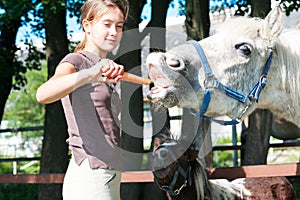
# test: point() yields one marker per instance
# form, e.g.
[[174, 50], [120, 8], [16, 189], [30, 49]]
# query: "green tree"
[[289, 5], [21, 108], [13, 14], [260, 8], [160, 116], [197, 19], [197, 27], [132, 99], [54, 150], [23, 111]]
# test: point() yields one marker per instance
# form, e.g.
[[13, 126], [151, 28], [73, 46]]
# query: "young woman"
[[84, 81]]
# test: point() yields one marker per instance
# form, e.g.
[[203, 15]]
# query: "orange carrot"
[[135, 79]]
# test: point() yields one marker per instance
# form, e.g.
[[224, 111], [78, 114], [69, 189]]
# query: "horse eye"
[[244, 48]]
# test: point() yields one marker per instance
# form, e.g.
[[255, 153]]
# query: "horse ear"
[[272, 25]]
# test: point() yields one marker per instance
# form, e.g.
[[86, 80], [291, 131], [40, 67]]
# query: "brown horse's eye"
[[244, 48]]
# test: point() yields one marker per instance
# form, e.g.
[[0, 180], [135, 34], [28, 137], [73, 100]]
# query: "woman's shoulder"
[[72, 57], [76, 59]]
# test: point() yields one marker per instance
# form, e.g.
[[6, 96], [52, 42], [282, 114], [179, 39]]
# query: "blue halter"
[[211, 82]]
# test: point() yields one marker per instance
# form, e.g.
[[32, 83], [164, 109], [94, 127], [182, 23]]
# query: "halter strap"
[[211, 82]]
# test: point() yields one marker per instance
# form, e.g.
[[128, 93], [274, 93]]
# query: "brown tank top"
[[92, 116]]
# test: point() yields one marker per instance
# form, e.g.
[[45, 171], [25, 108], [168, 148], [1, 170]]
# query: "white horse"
[[247, 63]]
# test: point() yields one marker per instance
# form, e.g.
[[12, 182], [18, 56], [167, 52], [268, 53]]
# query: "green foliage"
[[32, 61], [145, 161], [33, 168], [30, 13], [19, 191], [15, 9], [290, 5], [6, 168], [14, 14], [240, 6], [73, 7], [182, 9], [243, 6], [223, 158], [295, 181], [22, 108]]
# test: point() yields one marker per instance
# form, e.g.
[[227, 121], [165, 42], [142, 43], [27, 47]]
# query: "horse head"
[[229, 68], [172, 164]]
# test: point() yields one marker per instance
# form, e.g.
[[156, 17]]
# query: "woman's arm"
[[66, 80]]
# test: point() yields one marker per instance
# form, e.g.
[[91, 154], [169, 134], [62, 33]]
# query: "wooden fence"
[[254, 171], [292, 169]]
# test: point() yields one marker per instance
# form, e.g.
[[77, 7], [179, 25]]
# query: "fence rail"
[[254, 171], [30, 128], [215, 148], [271, 145]]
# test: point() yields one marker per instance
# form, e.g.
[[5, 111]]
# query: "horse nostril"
[[149, 95], [174, 63]]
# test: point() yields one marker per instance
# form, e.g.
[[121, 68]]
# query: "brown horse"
[[178, 171]]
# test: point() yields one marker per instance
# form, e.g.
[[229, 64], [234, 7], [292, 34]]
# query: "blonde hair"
[[93, 10]]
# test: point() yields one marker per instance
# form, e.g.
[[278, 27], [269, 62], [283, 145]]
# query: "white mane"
[[201, 181], [288, 50]]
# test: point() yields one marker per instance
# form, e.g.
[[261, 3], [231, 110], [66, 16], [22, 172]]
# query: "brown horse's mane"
[[200, 179]]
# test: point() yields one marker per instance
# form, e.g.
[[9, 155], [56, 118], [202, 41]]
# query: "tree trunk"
[[55, 150], [160, 116], [132, 100], [158, 24], [8, 29], [260, 8], [197, 19], [197, 25], [256, 137]]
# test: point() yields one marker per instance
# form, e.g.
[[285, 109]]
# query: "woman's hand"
[[106, 71]]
